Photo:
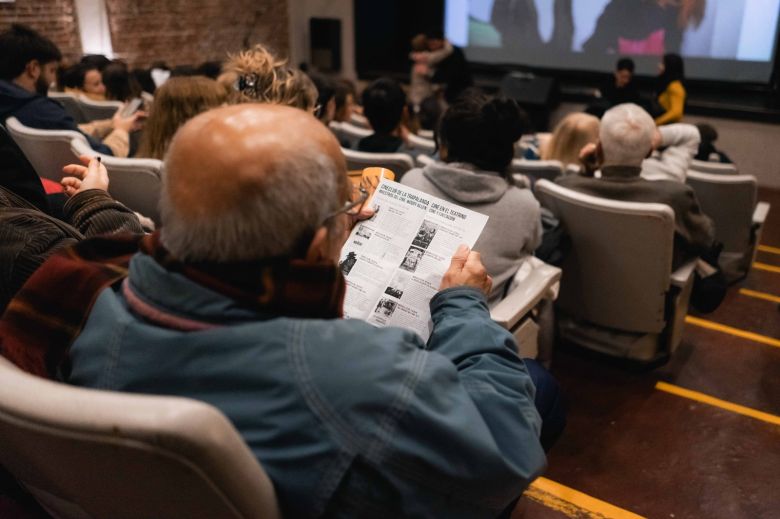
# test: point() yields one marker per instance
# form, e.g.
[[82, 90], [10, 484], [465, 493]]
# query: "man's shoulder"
[[45, 114]]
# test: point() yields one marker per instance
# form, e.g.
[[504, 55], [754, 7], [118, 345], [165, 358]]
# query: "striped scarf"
[[48, 313]]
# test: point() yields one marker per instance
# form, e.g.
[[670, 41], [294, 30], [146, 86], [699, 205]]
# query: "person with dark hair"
[[97, 61], [670, 90], [120, 84], [618, 89], [452, 71], [85, 80], [384, 105], [707, 150], [430, 113], [326, 97], [477, 138], [28, 65], [210, 69]]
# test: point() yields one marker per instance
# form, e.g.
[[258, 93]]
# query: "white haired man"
[[626, 138], [237, 302]]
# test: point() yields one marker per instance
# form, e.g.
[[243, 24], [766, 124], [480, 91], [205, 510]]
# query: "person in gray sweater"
[[476, 143]]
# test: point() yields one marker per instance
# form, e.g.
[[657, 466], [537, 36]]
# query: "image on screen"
[[732, 40]]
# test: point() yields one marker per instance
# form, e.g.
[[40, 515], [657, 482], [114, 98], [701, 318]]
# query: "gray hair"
[[294, 199], [626, 135]]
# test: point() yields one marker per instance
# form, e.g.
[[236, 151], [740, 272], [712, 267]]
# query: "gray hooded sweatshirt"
[[514, 227]]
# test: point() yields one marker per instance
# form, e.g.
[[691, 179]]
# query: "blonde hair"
[[568, 138], [257, 75], [176, 102]]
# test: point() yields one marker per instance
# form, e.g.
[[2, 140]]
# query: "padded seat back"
[[399, 163], [729, 200], [71, 105], [618, 271], [538, 169], [346, 132], [134, 182], [96, 110], [47, 150], [86, 454], [716, 168]]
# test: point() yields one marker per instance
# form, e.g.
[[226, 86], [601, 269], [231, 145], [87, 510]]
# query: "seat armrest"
[[682, 275], [760, 213], [537, 285]]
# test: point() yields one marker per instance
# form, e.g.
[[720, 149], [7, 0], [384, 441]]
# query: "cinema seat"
[[346, 132], [71, 105], [134, 182], [526, 308], [47, 150], [96, 110], [731, 202], [85, 454], [420, 145], [399, 163], [716, 168], [537, 169], [619, 295]]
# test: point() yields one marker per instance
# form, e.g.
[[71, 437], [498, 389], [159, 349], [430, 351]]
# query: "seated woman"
[[569, 137], [176, 102], [476, 141], [670, 90], [86, 80]]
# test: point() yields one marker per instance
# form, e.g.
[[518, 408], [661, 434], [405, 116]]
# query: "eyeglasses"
[[351, 207]]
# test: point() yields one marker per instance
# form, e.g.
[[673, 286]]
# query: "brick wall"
[[55, 19], [183, 32], [179, 32]]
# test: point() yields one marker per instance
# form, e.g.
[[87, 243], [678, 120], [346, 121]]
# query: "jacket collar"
[[621, 172]]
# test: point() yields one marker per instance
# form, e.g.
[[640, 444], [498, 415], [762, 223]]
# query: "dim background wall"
[[54, 18], [178, 32]]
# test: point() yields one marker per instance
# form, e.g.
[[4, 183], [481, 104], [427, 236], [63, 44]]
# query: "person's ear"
[[320, 246], [33, 69]]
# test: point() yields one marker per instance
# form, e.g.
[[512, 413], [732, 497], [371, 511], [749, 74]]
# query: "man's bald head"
[[247, 181]]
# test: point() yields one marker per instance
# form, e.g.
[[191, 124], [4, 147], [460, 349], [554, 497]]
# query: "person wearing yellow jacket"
[[670, 90]]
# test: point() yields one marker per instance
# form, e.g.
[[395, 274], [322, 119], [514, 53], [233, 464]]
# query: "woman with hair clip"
[[569, 137], [670, 91], [477, 136]]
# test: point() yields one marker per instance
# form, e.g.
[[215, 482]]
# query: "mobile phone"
[[132, 107]]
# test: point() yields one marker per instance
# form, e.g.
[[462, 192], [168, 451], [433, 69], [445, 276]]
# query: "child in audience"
[[176, 102]]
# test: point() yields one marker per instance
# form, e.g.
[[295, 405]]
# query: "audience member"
[[670, 90], [347, 419], [675, 145], [97, 61], [28, 65], [430, 113], [707, 150], [210, 69], [476, 142], [85, 80], [628, 134], [176, 102], [384, 105], [424, 62], [346, 97], [326, 97], [256, 75], [618, 89], [569, 137], [453, 71], [120, 84], [29, 236]]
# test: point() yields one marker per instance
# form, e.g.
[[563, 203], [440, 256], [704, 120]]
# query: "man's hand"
[[130, 123], [466, 269], [81, 178]]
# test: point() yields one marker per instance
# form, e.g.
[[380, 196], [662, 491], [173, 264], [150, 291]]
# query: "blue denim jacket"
[[347, 419]]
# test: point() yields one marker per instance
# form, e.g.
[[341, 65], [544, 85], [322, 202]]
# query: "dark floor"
[[658, 455]]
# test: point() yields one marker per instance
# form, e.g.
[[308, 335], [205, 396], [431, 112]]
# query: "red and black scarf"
[[49, 312]]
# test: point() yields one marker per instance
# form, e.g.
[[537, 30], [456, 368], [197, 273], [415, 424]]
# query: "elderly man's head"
[[250, 182], [627, 135]]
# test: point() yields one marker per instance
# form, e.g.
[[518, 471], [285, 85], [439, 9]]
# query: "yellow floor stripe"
[[732, 331], [767, 248], [717, 402], [759, 295], [573, 503], [767, 267]]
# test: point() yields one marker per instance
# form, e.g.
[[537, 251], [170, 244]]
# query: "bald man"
[[237, 302]]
